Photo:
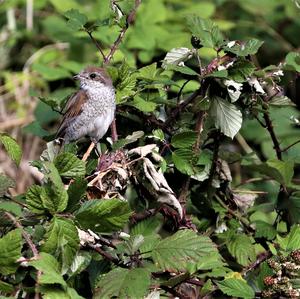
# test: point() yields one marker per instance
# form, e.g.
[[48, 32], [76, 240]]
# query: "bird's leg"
[[89, 150], [98, 150]]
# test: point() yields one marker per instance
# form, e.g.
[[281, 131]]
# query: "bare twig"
[[88, 152], [261, 258], [29, 15], [270, 128], [291, 145], [96, 44], [108, 256], [24, 233], [119, 39]]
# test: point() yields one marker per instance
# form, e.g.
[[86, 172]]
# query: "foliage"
[[198, 196]]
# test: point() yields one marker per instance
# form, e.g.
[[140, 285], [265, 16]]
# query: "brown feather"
[[72, 109]]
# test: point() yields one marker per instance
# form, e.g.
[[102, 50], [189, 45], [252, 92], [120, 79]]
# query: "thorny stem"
[[270, 128], [96, 44]]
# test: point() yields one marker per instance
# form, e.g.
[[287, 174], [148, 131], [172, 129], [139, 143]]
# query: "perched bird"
[[91, 110]]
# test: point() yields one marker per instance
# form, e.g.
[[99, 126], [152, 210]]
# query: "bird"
[[91, 110]]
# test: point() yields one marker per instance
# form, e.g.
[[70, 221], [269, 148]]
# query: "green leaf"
[[76, 192], [11, 207], [184, 246], [184, 139], [34, 199], [176, 57], [5, 183], [181, 69], [227, 117], [62, 241], [250, 47], [6, 287], [57, 197], [68, 165], [241, 70], [147, 227], [236, 288], [182, 159], [285, 168], [124, 283], [76, 20], [56, 292], [292, 205], [292, 240], [264, 230], [106, 215], [148, 72], [218, 74], [240, 246], [12, 147], [292, 61], [10, 251], [207, 31], [49, 267], [142, 105], [281, 101]]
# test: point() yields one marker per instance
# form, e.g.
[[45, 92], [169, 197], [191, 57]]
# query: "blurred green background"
[[39, 54]]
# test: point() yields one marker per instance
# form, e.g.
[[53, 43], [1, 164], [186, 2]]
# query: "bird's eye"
[[93, 75]]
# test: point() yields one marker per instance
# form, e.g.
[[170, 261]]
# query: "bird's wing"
[[72, 109]]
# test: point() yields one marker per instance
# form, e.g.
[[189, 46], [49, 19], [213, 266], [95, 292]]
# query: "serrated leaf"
[[76, 20], [57, 196], [68, 165], [10, 251], [250, 47], [34, 199], [236, 287], [182, 159], [241, 247], [184, 246], [147, 227], [206, 30], [124, 283], [76, 192], [285, 168], [11, 207], [62, 241], [12, 148], [292, 61], [106, 215], [49, 267], [264, 230], [177, 56], [148, 72], [5, 183], [227, 117], [181, 69], [292, 240], [6, 287], [142, 105], [80, 262], [56, 292], [218, 74], [184, 139], [241, 70], [281, 101]]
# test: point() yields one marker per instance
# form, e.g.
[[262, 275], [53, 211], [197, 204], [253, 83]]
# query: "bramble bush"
[[197, 198]]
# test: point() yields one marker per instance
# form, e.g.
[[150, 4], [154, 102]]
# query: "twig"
[[24, 233], [181, 89], [214, 161], [96, 44], [119, 39], [270, 128], [178, 109], [30, 244], [29, 15], [108, 256], [291, 145], [261, 258], [12, 123]]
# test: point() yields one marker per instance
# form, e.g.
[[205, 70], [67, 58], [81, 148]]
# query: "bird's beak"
[[76, 77]]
